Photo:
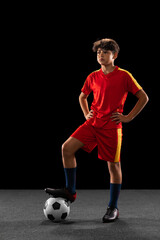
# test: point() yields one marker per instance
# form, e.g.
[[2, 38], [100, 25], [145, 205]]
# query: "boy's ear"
[[115, 55]]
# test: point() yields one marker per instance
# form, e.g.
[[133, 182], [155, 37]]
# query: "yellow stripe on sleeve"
[[135, 82], [133, 79]]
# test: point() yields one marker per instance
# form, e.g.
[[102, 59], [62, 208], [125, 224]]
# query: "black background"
[[47, 57]]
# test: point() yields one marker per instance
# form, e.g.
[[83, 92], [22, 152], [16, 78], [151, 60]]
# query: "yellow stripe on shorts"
[[119, 143]]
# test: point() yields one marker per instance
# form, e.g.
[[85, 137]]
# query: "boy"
[[103, 126]]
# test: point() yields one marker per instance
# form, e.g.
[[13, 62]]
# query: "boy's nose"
[[101, 54]]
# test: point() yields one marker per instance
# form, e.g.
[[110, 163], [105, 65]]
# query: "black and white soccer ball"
[[56, 209]]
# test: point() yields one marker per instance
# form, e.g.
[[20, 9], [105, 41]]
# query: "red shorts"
[[108, 141]]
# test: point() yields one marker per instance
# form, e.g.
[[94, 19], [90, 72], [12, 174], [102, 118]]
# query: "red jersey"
[[109, 95]]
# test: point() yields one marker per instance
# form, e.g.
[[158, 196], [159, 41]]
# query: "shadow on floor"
[[132, 228]]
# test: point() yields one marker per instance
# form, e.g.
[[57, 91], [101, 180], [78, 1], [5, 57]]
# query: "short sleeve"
[[132, 84], [86, 89]]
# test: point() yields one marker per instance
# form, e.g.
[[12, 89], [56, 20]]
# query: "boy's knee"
[[66, 149], [114, 167], [115, 172]]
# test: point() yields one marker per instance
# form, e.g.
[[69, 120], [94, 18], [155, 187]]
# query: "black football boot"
[[111, 215], [61, 193]]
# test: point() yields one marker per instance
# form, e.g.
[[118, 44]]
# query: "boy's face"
[[105, 57]]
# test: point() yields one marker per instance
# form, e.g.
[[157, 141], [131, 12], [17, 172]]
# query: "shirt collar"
[[111, 73]]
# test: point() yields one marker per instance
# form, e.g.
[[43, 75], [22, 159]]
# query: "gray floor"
[[21, 216]]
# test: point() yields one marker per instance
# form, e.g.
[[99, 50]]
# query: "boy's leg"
[[83, 137], [115, 183], [69, 162], [115, 172], [69, 149], [115, 186]]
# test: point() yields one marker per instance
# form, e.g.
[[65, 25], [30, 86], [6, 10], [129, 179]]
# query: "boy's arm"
[[142, 101], [84, 106]]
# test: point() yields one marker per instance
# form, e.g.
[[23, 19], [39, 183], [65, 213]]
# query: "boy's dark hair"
[[106, 44]]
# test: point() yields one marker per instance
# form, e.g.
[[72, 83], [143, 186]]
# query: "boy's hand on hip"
[[119, 117], [89, 115]]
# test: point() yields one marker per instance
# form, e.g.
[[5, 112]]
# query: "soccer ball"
[[56, 209]]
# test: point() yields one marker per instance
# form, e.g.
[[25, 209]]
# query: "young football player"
[[103, 126]]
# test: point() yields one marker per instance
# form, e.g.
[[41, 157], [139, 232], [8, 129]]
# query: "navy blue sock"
[[114, 194], [70, 175]]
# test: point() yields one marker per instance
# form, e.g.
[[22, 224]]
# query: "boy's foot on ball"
[[111, 215], [63, 193]]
